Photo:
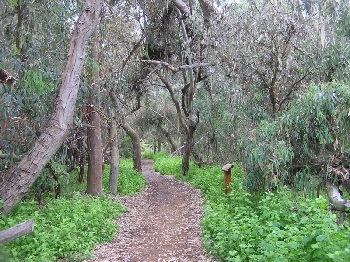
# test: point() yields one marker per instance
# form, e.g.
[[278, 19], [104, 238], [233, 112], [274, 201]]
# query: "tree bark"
[[136, 145], [207, 10], [113, 175], [335, 198], [94, 174], [95, 154], [184, 9], [23, 175], [188, 148]]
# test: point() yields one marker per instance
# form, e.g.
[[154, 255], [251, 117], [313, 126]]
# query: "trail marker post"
[[227, 177]]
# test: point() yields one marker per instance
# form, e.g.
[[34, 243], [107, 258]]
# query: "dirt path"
[[162, 224]]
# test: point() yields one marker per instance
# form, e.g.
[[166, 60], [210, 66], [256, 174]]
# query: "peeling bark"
[[23, 175], [335, 198]]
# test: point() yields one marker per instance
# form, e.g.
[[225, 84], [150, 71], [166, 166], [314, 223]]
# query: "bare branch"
[[175, 101], [179, 68]]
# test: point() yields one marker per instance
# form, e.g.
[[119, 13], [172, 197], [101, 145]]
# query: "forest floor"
[[162, 223]]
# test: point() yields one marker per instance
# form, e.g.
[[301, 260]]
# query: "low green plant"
[[64, 228], [69, 226], [129, 180], [154, 156]]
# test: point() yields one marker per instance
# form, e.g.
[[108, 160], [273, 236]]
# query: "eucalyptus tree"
[[95, 154], [33, 47], [271, 49], [22, 175], [122, 78], [174, 52]]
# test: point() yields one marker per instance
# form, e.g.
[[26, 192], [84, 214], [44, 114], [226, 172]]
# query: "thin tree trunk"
[[23, 175], [95, 154], [113, 175], [159, 145], [188, 148], [136, 145], [136, 142], [168, 137], [94, 174]]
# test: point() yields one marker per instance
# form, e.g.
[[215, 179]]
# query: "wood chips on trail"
[[162, 224]]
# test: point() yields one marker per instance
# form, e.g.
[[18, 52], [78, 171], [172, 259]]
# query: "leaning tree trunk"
[[95, 154], [23, 175], [136, 145]]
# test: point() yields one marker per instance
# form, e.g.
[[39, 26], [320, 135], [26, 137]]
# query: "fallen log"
[[16, 231]]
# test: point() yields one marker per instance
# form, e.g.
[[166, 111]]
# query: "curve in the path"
[[162, 223]]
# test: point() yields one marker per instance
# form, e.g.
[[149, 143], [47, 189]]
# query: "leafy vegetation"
[[69, 226], [312, 128], [275, 99], [269, 226]]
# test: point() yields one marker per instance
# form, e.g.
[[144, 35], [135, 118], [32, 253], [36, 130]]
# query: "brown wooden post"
[[227, 177]]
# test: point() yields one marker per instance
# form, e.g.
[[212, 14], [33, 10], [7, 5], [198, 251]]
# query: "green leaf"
[[321, 238]]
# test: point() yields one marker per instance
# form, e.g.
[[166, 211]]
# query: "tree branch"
[[185, 11], [178, 68], [176, 103]]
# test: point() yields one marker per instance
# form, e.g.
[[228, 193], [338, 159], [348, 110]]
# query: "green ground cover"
[[267, 226], [69, 226]]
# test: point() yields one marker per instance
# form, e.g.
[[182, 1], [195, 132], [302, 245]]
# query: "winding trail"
[[162, 224]]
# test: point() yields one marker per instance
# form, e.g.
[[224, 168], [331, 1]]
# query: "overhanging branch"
[[178, 68]]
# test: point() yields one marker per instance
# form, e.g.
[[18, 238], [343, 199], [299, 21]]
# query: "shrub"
[[313, 127]]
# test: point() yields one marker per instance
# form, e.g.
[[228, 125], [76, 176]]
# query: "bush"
[[129, 180], [313, 127]]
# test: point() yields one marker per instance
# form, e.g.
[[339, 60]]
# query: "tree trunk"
[[94, 174], [23, 175], [168, 137], [95, 154], [188, 148], [136, 145], [113, 175], [159, 148]]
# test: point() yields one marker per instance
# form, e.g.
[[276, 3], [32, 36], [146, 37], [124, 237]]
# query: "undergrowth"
[[69, 226], [269, 226]]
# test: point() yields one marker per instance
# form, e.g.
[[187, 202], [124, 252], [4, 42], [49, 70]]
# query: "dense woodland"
[[260, 84]]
